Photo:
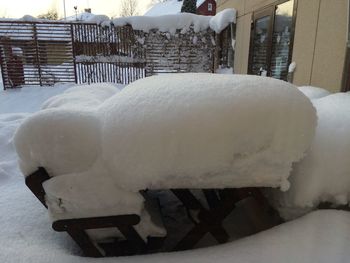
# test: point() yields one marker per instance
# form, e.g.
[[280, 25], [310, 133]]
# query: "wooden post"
[[73, 53], [36, 44]]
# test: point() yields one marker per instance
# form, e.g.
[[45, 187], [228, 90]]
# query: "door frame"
[[268, 11], [265, 11]]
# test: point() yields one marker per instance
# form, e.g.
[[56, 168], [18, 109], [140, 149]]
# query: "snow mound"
[[166, 23], [215, 131], [221, 70], [82, 96], [8, 124], [223, 19], [182, 21], [98, 19], [324, 174], [86, 17], [313, 92], [62, 140], [168, 131], [205, 131]]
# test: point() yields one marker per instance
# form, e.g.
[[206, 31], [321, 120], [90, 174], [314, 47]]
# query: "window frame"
[[270, 10], [210, 7]]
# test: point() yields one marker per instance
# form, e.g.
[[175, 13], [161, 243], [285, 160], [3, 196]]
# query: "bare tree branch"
[[128, 8]]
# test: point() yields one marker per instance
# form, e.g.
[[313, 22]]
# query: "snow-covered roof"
[[168, 7]]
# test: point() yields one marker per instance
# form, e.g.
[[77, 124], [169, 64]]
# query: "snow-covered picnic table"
[[101, 146]]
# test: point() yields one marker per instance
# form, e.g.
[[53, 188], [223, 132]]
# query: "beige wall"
[[319, 42]]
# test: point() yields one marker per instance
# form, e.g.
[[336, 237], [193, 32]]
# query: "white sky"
[[19, 8]]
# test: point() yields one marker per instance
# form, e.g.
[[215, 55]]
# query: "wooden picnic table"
[[221, 202]]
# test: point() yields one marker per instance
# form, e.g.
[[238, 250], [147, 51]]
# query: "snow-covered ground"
[[26, 236]]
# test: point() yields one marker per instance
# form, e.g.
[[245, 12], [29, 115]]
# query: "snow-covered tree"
[[128, 8], [189, 6], [50, 15]]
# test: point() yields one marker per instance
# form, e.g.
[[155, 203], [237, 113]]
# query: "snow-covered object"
[[324, 174], [183, 22], [29, 18], [224, 70], [214, 131], [223, 19], [61, 140], [205, 131], [68, 125], [83, 96], [168, 131], [98, 19], [69, 116], [87, 17], [291, 67], [168, 7], [92, 194], [167, 23], [313, 92]]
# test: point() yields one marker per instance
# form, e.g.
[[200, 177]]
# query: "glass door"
[[271, 41], [282, 40], [260, 52]]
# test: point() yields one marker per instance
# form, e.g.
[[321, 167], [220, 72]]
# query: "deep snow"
[[25, 235], [323, 175]]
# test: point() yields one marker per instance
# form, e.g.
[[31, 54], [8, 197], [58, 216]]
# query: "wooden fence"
[[43, 53]]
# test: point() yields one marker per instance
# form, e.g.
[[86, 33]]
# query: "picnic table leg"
[[84, 242], [191, 238], [211, 197], [208, 222], [35, 182], [138, 245]]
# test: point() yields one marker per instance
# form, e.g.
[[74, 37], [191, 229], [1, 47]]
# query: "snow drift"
[[323, 175], [314, 92]]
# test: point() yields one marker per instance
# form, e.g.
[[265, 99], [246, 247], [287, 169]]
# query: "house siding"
[[319, 41], [203, 8]]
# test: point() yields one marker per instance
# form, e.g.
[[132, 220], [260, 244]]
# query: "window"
[[271, 41], [210, 7]]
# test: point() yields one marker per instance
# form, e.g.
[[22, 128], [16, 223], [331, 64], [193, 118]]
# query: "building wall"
[[319, 42], [203, 8]]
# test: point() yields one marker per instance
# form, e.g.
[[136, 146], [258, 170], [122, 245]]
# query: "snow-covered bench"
[[181, 131]]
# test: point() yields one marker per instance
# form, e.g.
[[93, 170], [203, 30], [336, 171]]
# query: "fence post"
[[2, 64], [73, 53], [36, 44]]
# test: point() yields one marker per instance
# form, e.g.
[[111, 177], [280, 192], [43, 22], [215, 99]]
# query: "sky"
[[19, 8]]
